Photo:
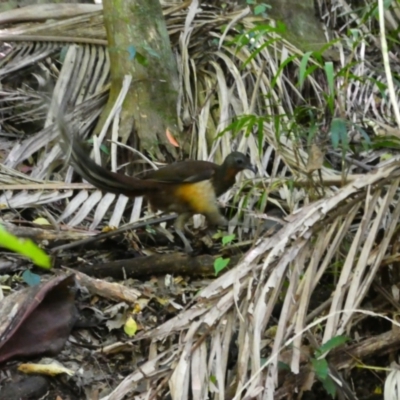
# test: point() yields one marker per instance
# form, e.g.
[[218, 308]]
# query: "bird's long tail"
[[97, 175]]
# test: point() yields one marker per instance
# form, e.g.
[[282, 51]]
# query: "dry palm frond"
[[81, 82], [24, 198], [243, 298], [25, 54]]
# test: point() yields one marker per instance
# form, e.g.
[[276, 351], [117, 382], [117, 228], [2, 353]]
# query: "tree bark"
[[303, 27], [139, 46]]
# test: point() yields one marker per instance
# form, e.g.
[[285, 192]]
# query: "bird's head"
[[237, 162]]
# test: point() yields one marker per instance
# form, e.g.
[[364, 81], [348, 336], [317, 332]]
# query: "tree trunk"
[[139, 46]]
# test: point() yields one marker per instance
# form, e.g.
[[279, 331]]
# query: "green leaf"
[[244, 121], [24, 247], [257, 49], [228, 238], [277, 127], [263, 361], [220, 264], [320, 368], [312, 132], [103, 147], [262, 201], [303, 66], [366, 143], [287, 61], [260, 9], [218, 235], [250, 126], [331, 344], [339, 133], [386, 142], [387, 3], [141, 59], [283, 366], [260, 135], [63, 53], [150, 229], [30, 278], [319, 55], [280, 27], [330, 77], [329, 386]]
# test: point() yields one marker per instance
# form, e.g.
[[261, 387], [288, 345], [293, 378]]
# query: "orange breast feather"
[[199, 196]]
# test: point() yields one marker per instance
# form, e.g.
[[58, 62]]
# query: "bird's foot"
[[187, 246], [222, 221], [188, 231]]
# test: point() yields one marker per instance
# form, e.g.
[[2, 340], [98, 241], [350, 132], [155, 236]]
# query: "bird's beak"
[[251, 167]]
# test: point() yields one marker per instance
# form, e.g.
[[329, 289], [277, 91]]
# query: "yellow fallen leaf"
[[108, 229], [45, 369], [378, 390], [137, 308], [41, 221], [130, 327], [386, 156], [162, 301]]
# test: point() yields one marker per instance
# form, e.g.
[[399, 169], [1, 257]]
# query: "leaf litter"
[[210, 337]]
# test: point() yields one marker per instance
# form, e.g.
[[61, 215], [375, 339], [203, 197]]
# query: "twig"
[[352, 161], [107, 235]]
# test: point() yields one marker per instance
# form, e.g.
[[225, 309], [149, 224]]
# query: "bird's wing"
[[183, 172]]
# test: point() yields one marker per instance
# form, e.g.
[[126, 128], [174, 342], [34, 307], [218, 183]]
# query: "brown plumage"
[[186, 187]]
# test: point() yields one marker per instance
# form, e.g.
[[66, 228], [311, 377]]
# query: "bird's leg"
[[215, 218], [179, 229]]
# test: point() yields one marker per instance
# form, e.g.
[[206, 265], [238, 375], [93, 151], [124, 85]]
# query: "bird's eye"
[[239, 161]]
